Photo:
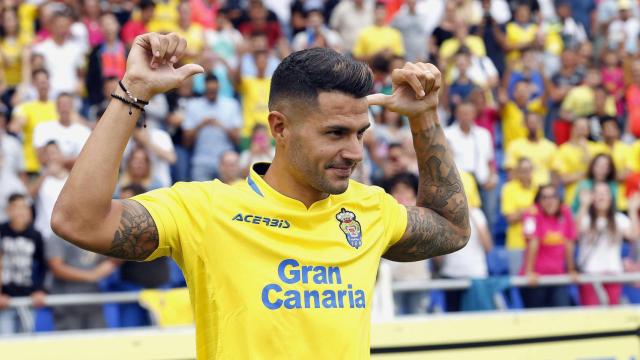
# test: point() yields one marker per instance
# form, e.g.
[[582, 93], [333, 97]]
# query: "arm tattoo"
[[440, 222], [137, 234]]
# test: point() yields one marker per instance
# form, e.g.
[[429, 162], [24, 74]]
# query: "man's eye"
[[335, 133]]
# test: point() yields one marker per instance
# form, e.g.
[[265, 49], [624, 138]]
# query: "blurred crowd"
[[540, 103]]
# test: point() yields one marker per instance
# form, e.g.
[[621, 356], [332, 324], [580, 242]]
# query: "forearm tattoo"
[[440, 222], [137, 234]]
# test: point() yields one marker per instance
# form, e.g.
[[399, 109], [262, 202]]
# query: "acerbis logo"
[[257, 220]]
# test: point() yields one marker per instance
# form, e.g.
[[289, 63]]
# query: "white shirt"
[[470, 261], [62, 63], [624, 31], [472, 152], [602, 255], [47, 196], [70, 138], [160, 168], [348, 20], [11, 154]]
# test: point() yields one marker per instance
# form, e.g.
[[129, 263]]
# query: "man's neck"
[[610, 141], [466, 128], [533, 137], [525, 183], [58, 40], [281, 180]]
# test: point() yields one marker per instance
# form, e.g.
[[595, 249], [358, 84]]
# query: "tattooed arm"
[[439, 224], [85, 214]]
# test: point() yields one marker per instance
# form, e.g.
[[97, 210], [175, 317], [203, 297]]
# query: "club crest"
[[350, 227]]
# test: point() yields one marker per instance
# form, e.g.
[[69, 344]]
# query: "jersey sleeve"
[[180, 207], [395, 218]]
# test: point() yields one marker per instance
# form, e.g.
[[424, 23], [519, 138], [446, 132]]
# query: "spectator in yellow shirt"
[[518, 195], [192, 32], [461, 38], [513, 112], [28, 115], [581, 100], [254, 93], [573, 157], [535, 147], [521, 33], [379, 37]]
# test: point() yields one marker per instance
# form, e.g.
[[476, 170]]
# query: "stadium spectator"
[[159, 146], [404, 188], [260, 19], [521, 33], [11, 150], [138, 171], [632, 99], [70, 135], [22, 262], [133, 27], [192, 32], [535, 147], [64, 58], [47, 186], [550, 233], [349, 18], [76, 271], [10, 184], [513, 112], [261, 150], [178, 99], [378, 37], [316, 34], [469, 262], [602, 230], [12, 47], [410, 24], [601, 169], [530, 70], [613, 79], [573, 157], [620, 153], [622, 32], [107, 60], [91, 18], [29, 114], [581, 100], [518, 195], [228, 170], [254, 92], [211, 126], [567, 77]]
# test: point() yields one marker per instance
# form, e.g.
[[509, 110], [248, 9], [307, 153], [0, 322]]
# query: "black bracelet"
[[130, 103], [133, 98]]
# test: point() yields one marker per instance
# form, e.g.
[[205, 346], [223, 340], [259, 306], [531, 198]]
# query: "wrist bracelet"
[[131, 97], [132, 105]]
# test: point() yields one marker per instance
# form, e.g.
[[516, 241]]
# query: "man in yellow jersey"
[[283, 265]]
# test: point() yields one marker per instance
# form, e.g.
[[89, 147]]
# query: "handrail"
[[386, 286]]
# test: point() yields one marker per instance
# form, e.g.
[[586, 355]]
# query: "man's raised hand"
[[415, 90], [150, 65]]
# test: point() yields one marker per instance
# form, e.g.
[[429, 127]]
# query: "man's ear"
[[278, 124]]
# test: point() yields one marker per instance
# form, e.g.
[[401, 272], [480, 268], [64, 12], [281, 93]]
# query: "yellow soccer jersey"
[[269, 278]]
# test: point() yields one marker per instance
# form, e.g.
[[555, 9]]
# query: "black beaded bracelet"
[[131, 97], [130, 103]]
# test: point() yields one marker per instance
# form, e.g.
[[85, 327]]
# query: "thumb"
[[378, 99], [189, 70]]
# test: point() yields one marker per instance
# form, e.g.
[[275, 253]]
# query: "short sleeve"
[[39, 139], [529, 225], [173, 209], [395, 218]]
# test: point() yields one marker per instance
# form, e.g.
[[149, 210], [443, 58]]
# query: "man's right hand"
[[150, 65]]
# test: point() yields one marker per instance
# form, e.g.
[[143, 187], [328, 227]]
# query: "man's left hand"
[[415, 90]]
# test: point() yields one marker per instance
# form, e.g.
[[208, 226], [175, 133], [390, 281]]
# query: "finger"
[[437, 77], [173, 42], [189, 70], [378, 99], [182, 46], [164, 43], [409, 77], [154, 42]]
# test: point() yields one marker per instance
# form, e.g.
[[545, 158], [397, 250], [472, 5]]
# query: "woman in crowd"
[[602, 230], [550, 233]]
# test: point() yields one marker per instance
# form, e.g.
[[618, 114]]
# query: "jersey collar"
[[260, 187]]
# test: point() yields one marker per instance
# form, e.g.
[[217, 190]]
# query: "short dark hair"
[[210, 77], [134, 188], [15, 197], [406, 178], [146, 4], [64, 94], [303, 74], [39, 71]]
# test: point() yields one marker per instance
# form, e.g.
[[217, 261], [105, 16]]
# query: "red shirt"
[[132, 29]]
